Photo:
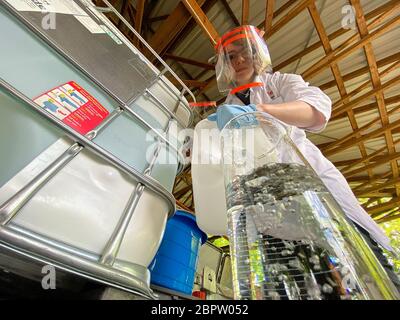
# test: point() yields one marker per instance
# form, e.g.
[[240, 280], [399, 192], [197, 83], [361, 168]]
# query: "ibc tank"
[[95, 202]]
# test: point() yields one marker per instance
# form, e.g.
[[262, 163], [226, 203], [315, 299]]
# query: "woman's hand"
[[227, 112]]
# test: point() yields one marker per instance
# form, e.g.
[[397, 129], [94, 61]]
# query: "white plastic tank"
[[102, 210]]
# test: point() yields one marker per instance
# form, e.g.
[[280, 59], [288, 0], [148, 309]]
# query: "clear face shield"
[[242, 54]]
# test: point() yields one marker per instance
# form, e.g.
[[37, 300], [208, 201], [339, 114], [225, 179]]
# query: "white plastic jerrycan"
[[208, 176]]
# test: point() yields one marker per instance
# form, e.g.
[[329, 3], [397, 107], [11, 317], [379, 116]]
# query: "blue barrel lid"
[[192, 218]]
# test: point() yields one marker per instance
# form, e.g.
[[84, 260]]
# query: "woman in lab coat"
[[244, 70]]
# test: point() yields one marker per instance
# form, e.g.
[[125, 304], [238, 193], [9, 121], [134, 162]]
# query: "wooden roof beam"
[[312, 9], [124, 8], [230, 12], [382, 10], [354, 74], [189, 83], [356, 132], [388, 219], [376, 82], [139, 19], [278, 12], [376, 90], [366, 85], [210, 82], [343, 163], [245, 12], [288, 17], [337, 55], [159, 18], [195, 10], [389, 183], [370, 201], [368, 107], [379, 162], [389, 212], [370, 157], [171, 27], [376, 210], [358, 179], [269, 15], [371, 135], [207, 5], [371, 182], [204, 65]]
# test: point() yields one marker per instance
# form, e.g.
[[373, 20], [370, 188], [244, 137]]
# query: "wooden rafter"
[[336, 73], [366, 85], [391, 182], [210, 82], [368, 107], [379, 162], [391, 218], [376, 90], [171, 27], [245, 12], [288, 17], [159, 18], [370, 201], [376, 210], [373, 134], [189, 83], [139, 18], [269, 15], [386, 214], [370, 157], [373, 14], [374, 181], [376, 82], [198, 14], [230, 12], [124, 8], [206, 6], [338, 54], [355, 133], [354, 74], [192, 62]]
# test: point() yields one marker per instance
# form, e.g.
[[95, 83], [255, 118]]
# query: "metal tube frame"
[[167, 68], [10, 208], [112, 248], [143, 180], [18, 200]]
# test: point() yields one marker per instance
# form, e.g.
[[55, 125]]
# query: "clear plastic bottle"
[[289, 239]]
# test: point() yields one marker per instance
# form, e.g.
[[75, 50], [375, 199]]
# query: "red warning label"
[[74, 106]]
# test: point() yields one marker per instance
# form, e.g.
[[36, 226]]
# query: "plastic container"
[[289, 239], [175, 263], [90, 217]]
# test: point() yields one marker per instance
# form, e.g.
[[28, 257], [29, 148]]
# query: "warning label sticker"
[[74, 106]]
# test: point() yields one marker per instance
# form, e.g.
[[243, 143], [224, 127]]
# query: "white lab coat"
[[279, 88]]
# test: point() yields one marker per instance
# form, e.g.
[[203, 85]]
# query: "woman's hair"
[[248, 40]]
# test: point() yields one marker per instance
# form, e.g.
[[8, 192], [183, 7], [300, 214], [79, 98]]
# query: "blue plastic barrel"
[[174, 265]]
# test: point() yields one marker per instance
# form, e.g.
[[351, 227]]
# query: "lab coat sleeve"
[[292, 87]]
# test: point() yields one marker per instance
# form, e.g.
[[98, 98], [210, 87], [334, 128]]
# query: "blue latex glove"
[[228, 111]]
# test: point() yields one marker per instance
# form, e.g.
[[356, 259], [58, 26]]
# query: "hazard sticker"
[[74, 106]]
